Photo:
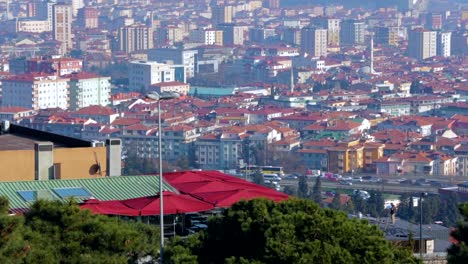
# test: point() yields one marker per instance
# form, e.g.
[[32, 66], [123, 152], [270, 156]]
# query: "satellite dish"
[[95, 168]]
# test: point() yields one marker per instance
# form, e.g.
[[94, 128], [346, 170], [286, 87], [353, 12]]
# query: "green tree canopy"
[[458, 252], [54, 232], [317, 191], [302, 187], [293, 231]]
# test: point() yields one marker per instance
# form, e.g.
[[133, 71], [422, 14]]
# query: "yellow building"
[[346, 157], [464, 15], [372, 151], [27, 154], [354, 156]]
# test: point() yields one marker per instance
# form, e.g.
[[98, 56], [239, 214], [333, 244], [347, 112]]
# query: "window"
[[72, 192], [28, 196]]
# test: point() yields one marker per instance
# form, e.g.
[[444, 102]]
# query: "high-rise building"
[[272, 4], [388, 35], [207, 36], [233, 34], [75, 4], [44, 11], [422, 44], [292, 36], [261, 35], [333, 29], [221, 14], [444, 45], [314, 41], [169, 35], [460, 42], [61, 27], [434, 21], [136, 37], [352, 32], [88, 17]]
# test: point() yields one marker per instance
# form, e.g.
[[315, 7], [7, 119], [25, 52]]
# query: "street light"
[[159, 97], [423, 194]]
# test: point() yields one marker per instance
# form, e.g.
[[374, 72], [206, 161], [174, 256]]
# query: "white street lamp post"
[[159, 97]]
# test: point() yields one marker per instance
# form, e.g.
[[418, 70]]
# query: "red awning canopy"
[[109, 208], [228, 198], [173, 204]]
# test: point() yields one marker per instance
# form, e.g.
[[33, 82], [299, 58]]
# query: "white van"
[[271, 177]]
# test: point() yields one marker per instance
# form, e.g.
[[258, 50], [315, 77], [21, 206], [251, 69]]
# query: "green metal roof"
[[109, 188]]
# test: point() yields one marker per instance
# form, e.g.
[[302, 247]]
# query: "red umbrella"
[[228, 198], [108, 208], [173, 204]]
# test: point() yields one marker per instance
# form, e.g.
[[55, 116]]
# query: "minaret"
[[7, 17], [292, 80], [372, 54]]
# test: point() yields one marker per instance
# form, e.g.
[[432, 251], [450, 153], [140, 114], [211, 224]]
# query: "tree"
[[302, 187], [57, 232], [449, 213], [336, 202], [359, 203], [293, 231], [375, 204], [183, 163], [317, 191], [458, 252], [290, 190], [258, 177]]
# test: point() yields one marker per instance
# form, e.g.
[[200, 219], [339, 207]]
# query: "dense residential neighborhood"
[[125, 122], [343, 90]]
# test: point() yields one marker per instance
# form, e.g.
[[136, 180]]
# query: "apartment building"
[[135, 37], [88, 89], [314, 41], [61, 27], [36, 91], [142, 74], [422, 44]]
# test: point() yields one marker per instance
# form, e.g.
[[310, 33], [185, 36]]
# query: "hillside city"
[[339, 89], [367, 95]]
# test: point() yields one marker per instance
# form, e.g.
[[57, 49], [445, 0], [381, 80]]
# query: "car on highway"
[[371, 179], [342, 182], [291, 177], [356, 179]]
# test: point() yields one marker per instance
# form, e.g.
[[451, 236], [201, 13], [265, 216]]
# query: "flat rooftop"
[[20, 142], [23, 138]]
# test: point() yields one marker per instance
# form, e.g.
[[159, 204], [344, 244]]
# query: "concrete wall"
[[79, 163], [17, 165], [75, 163]]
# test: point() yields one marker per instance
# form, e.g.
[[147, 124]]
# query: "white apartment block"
[[28, 25], [142, 74], [422, 44], [444, 44], [314, 41], [207, 36], [88, 89], [35, 91]]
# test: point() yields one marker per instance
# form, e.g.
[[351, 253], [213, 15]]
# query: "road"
[[384, 187]]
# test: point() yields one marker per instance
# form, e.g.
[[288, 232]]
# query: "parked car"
[[356, 179]]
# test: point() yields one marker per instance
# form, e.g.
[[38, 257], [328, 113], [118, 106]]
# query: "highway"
[[384, 187]]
